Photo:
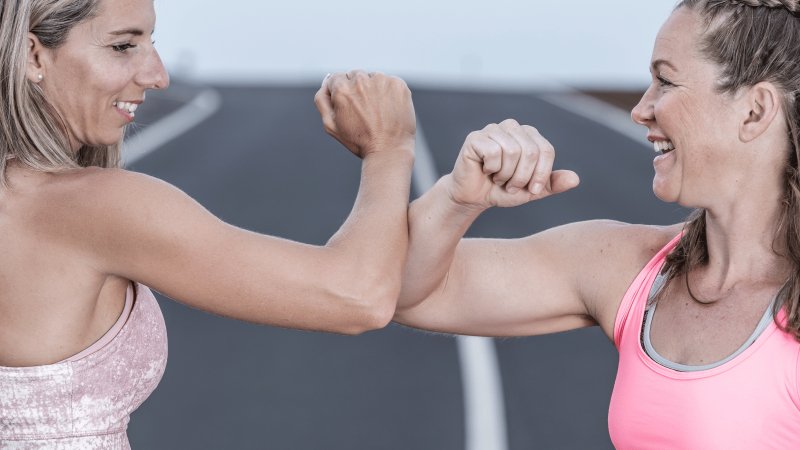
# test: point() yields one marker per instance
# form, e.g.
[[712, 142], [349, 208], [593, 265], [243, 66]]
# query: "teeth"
[[130, 108], [663, 146]]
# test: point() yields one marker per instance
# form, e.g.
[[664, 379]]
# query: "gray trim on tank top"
[[766, 318]]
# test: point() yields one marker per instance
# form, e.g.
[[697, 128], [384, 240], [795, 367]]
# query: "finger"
[[563, 180], [528, 160], [544, 165], [487, 152], [338, 82], [324, 104], [511, 151], [356, 74]]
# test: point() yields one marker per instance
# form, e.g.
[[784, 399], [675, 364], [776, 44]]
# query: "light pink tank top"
[[85, 401], [749, 402]]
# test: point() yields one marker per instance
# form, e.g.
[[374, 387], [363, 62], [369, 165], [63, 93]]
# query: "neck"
[[743, 244]]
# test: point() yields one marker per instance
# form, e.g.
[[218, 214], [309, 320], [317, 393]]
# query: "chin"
[[106, 141], [664, 193]]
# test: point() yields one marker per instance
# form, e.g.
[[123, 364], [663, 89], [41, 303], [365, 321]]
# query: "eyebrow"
[[133, 31], [659, 62]]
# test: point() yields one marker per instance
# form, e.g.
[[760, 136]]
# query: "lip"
[[124, 114], [663, 159], [656, 137]]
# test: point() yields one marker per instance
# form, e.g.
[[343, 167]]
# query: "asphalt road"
[[262, 162]]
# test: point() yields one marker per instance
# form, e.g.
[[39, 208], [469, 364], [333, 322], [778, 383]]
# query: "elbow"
[[371, 307]]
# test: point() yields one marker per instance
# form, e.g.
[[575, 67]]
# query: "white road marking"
[[600, 112], [175, 124], [484, 408]]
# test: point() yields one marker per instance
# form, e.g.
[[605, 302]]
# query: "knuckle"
[[510, 122], [513, 150], [492, 151], [530, 129]]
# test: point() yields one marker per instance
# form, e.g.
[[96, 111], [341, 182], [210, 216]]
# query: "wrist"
[[454, 204], [399, 154]]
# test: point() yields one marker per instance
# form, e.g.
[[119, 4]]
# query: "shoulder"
[[609, 256], [611, 240], [92, 209], [104, 194]]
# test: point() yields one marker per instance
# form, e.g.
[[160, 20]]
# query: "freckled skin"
[[699, 121]]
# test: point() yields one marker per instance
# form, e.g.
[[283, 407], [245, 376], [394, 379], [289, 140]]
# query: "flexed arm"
[[491, 286], [570, 276], [146, 230]]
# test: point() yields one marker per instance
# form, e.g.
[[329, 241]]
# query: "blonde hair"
[[754, 41], [31, 130]]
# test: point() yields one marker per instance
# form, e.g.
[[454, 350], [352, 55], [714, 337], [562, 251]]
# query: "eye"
[[122, 48], [663, 82]]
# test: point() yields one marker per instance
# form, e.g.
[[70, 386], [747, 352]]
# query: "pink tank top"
[[85, 401], [749, 402]]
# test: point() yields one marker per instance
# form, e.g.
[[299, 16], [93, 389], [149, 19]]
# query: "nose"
[[153, 75], [642, 113]]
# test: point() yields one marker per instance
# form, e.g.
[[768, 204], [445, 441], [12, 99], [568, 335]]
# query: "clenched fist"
[[367, 112], [506, 164]]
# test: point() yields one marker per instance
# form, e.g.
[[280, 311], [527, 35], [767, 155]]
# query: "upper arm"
[[563, 278], [146, 230]]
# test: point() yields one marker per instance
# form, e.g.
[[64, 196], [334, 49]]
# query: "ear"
[[37, 57], [761, 106]]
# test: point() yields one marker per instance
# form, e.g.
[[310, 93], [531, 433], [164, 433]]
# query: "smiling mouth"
[[663, 147], [128, 108]]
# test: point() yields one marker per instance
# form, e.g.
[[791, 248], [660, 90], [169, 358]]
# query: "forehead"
[[114, 15], [679, 38]]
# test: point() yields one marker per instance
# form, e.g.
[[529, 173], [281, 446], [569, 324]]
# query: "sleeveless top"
[[85, 401], [751, 401]]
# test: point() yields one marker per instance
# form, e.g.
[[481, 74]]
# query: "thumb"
[[563, 180], [324, 104]]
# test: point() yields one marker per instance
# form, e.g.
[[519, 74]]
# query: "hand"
[[506, 165], [367, 112]]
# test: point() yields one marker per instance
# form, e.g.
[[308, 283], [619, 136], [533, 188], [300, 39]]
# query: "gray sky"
[[502, 43]]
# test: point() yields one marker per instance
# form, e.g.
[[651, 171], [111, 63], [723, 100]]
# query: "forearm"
[[372, 243], [436, 226]]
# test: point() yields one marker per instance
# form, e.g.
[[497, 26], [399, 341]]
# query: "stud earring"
[[40, 77]]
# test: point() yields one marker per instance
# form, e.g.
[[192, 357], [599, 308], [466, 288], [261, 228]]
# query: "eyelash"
[[663, 82], [122, 48]]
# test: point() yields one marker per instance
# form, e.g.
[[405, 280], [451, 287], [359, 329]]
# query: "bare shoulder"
[[106, 185], [100, 213], [608, 255], [616, 243]]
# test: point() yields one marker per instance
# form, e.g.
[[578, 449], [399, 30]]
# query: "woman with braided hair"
[[705, 314]]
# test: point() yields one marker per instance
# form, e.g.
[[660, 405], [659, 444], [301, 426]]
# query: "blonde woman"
[[82, 340], [705, 314]]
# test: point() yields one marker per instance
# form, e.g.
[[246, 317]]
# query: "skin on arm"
[[146, 230], [563, 278]]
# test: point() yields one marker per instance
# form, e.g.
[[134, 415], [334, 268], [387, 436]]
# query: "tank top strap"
[[638, 292]]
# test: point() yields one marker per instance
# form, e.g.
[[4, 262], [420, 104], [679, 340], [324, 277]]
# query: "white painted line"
[[601, 112], [425, 174], [175, 124], [484, 408]]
